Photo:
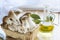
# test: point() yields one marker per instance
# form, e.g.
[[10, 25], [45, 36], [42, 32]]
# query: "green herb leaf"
[[37, 21], [35, 16], [49, 18]]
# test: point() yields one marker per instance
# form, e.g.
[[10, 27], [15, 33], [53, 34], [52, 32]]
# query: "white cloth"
[[2, 34]]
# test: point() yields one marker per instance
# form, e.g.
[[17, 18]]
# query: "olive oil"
[[46, 28]]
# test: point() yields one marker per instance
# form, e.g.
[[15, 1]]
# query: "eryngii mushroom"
[[23, 16], [27, 22], [22, 28], [26, 25], [21, 22], [13, 16], [24, 21], [5, 22], [32, 24], [15, 21], [11, 21]]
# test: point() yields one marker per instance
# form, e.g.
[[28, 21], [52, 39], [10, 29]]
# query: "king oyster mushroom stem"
[[18, 12], [6, 22], [32, 24], [22, 29], [14, 17], [25, 24], [12, 27], [22, 15]]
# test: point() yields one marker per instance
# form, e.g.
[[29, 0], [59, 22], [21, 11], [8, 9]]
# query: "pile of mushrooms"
[[18, 20]]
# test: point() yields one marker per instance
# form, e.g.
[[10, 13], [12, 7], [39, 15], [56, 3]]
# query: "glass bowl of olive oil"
[[46, 27]]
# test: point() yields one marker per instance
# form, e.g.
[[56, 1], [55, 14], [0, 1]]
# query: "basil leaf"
[[35, 16], [37, 21]]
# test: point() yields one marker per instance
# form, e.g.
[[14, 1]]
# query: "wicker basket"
[[20, 36]]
